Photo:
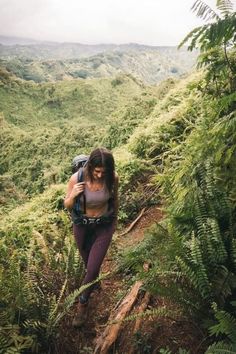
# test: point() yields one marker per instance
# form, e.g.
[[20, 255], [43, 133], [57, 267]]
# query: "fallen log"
[[141, 309], [133, 223], [105, 341]]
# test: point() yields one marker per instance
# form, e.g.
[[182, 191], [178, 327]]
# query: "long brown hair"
[[102, 157]]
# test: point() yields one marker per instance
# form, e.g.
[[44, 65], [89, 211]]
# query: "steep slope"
[[26, 104], [43, 126]]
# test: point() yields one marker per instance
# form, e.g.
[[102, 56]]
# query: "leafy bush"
[[133, 193], [122, 127], [117, 81], [83, 74], [36, 247]]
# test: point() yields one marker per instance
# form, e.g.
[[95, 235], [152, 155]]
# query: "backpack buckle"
[[90, 221], [85, 221]]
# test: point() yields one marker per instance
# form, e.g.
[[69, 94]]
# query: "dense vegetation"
[[178, 137], [193, 143]]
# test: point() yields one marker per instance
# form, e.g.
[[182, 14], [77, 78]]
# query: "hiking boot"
[[81, 315]]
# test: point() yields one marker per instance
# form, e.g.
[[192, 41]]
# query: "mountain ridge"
[[14, 40], [30, 48]]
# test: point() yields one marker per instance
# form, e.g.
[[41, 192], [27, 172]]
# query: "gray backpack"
[[78, 162]]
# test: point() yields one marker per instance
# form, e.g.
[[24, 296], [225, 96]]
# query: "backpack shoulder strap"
[[80, 175], [80, 178]]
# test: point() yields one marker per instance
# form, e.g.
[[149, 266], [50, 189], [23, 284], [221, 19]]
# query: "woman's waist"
[[92, 218], [97, 211]]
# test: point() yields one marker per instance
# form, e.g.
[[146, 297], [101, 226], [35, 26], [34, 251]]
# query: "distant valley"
[[51, 61]]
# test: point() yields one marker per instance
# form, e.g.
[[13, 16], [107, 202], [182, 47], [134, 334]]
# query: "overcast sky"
[[153, 22]]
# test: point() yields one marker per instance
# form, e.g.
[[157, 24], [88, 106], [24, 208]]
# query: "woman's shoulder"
[[74, 178]]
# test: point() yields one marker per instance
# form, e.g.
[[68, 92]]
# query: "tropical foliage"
[[196, 177], [36, 247], [176, 142]]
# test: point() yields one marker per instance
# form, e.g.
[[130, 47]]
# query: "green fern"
[[213, 34], [221, 348], [11, 341], [155, 312], [165, 351], [204, 11], [196, 259], [225, 6], [226, 324], [214, 40], [196, 276]]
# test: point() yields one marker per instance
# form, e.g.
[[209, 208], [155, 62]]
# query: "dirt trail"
[[154, 333]]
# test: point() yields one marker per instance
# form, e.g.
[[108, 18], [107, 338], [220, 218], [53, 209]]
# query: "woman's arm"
[[73, 190]]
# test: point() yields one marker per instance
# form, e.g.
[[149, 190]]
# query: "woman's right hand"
[[77, 189]]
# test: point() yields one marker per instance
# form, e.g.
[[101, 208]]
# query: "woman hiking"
[[92, 198]]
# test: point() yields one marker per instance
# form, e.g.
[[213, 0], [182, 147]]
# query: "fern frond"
[[42, 244], [54, 309], [223, 281], [183, 351], [204, 11], [11, 341], [157, 312], [165, 351], [196, 276], [78, 267], [221, 348], [225, 6], [232, 253], [215, 237], [4, 343], [189, 36], [226, 325], [33, 324], [202, 281], [212, 35]]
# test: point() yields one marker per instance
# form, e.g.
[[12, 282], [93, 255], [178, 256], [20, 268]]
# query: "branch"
[[133, 223]]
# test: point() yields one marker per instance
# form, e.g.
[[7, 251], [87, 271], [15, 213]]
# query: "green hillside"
[[25, 104], [175, 147], [44, 125]]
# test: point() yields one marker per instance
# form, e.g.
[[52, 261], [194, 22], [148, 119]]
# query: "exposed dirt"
[[154, 333]]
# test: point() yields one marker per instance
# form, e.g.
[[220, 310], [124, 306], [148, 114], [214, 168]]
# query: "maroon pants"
[[93, 242]]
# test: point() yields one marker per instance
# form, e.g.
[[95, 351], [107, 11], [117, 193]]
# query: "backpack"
[[77, 165], [78, 162]]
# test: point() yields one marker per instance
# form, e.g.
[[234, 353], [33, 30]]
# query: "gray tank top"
[[96, 199]]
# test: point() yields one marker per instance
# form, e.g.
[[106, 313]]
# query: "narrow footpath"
[[142, 336]]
